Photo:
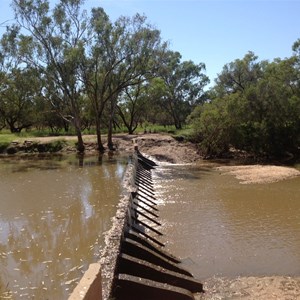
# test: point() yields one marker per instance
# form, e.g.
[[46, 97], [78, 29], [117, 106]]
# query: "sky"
[[214, 32]]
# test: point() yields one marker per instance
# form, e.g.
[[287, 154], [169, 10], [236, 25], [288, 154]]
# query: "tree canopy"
[[65, 68], [86, 66], [254, 106]]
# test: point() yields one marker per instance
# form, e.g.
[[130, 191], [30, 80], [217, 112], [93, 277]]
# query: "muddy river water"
[[223, 228], [54, 213], [52, 218]]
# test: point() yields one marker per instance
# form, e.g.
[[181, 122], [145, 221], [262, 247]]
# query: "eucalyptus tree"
[[239, 74], [273, 109], [180, 85], [133, 105], [19, 84], [53, 41], [124, 54], [8, 61], [296, 56], [18, 100], [2, 78], [255, 106]]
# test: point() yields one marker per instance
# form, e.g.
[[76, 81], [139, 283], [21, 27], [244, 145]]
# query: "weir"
[[134, 263]]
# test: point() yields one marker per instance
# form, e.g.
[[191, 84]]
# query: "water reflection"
[[228, 229], [52, 219]]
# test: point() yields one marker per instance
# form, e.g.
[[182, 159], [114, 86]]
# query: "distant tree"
[[180, 86], [17, 99], [19, 84], [273, 110], [132, 105], [259, 112], [239, 74]]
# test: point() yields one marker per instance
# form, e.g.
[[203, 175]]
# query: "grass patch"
[[185, 134], [7, 137], [5, 141], [12, 143]]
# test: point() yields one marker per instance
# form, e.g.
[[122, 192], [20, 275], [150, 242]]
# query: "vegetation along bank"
[[65, 71]]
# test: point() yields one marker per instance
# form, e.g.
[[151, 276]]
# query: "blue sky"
[[212, 31]]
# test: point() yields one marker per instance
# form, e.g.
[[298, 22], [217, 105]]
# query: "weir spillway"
[[134, 263]]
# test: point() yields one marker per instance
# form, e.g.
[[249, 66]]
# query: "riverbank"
[[161, 147], [252, 288]]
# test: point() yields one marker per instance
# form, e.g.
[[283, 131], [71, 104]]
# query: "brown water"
[[223, 228], [52, 218]]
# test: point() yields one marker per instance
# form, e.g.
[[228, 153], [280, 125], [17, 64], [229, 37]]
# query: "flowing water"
[[53, 214], [220, 227]]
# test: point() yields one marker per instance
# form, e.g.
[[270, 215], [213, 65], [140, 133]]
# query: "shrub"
[[3, 146], [11, 150], [52, 147]]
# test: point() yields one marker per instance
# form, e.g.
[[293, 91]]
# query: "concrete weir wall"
[[134, 264]]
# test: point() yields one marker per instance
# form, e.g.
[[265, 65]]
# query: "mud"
[[252, 288], [159, 146]]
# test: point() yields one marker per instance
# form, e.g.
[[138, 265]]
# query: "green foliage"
[[212, 128], [259, 114], [239, 74], [52, 147], [17, 99], [178, 87], [63, 70]]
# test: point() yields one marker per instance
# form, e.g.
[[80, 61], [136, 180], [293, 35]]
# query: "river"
[[220, 227], [54, 211]]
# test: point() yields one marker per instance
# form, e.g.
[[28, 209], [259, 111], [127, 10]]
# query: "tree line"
[[254, 106], [67, 68]]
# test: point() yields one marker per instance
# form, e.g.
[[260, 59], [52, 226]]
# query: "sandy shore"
[[259, 173]]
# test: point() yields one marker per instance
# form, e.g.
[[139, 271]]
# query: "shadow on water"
[[31, 162]]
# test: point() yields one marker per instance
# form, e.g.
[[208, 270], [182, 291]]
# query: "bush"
[[52, 147], [11, 150], [3, 147]]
